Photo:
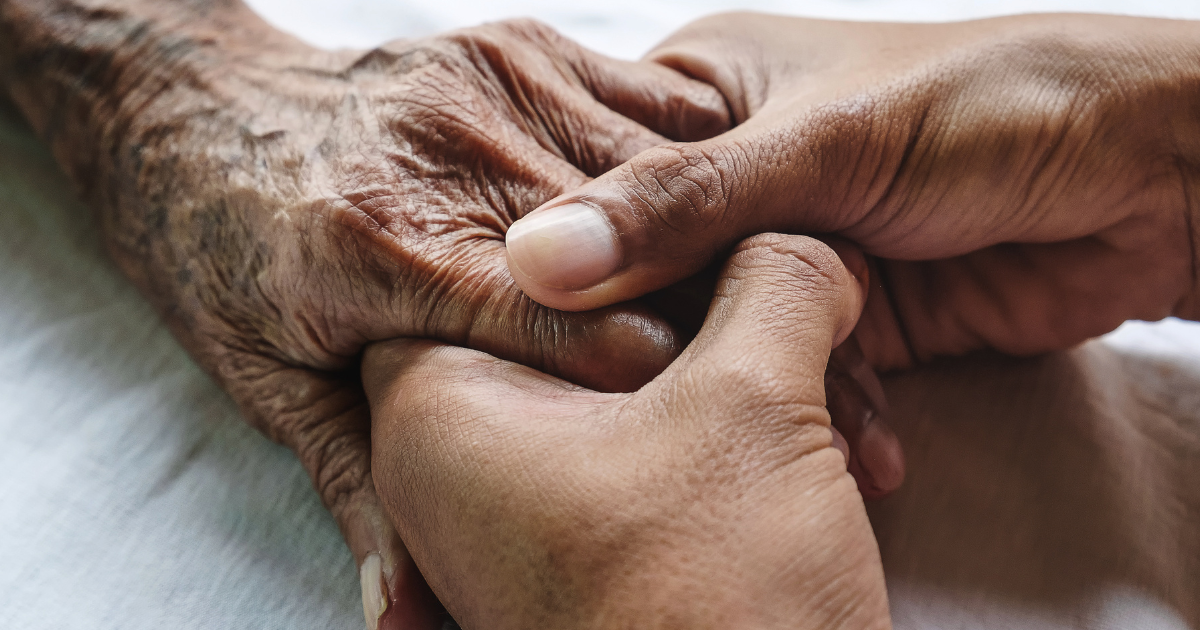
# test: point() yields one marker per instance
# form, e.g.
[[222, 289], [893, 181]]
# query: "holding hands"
[[1019, 184], [709, 498]]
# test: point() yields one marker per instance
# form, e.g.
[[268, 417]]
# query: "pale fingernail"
[[374, 598], [566, 247]]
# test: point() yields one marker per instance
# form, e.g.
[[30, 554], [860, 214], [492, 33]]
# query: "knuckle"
[[478, 46], [477, 304], [683, 187], [806, 261], [410, 63], [528, 28], [496, 39], [801, 276]]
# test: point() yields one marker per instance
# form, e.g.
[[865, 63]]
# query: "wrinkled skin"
[[283, 206], [711, 498], [1024, 183]]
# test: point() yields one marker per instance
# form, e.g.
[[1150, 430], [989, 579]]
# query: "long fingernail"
[[570, 247], [374, 597]]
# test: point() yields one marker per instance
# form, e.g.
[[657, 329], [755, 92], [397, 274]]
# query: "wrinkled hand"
[[710, 498], [1026, 182], [283, 206]]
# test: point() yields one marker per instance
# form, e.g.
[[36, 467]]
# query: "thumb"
[[778, 333], [665, 214], [757, 369], [780, 307]]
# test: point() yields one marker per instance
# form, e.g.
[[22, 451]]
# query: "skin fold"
[[1020, 183], [709, 498]]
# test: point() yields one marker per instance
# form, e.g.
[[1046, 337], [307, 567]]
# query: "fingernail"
[[840, 444], [374, 598], [880, 455], [566, 247], [876, 458]]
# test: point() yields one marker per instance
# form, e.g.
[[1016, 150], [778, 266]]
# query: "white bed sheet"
[[132, 495]]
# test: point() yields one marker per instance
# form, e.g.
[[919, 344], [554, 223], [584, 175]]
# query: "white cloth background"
[[132, 496]]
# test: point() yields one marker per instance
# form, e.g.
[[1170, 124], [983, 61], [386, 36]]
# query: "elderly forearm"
[[82, 71], [140, 100]]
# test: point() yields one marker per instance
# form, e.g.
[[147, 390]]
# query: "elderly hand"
[[283, 206], [710, 498], [1027, 182]]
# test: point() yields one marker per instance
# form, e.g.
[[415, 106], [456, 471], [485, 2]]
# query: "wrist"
[[146, 104], [87, 75]]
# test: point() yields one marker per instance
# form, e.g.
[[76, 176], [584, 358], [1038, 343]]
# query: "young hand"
[[1024, 183], [711, 498]]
